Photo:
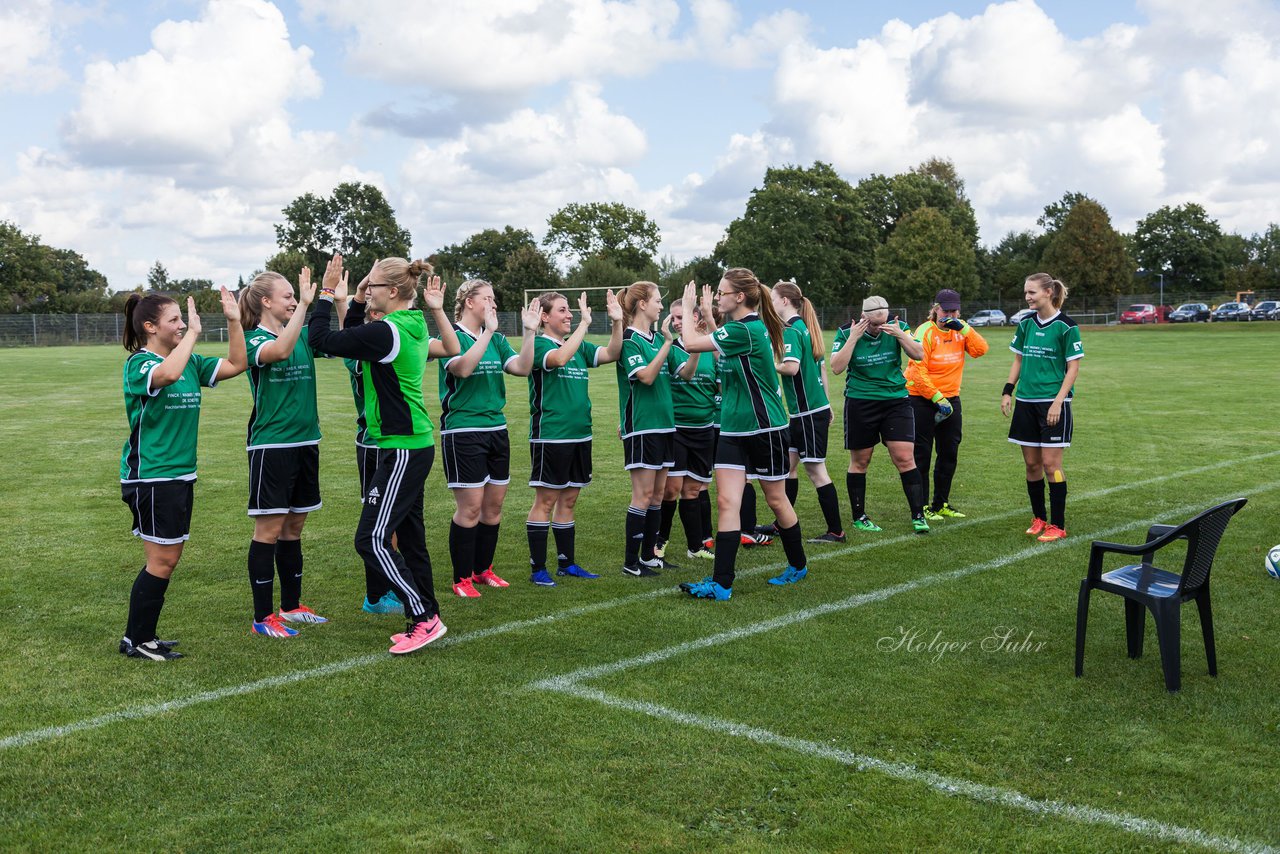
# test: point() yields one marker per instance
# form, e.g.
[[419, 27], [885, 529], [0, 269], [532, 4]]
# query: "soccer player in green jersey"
[[283, 446], [1046, 361], [646, 423], [473, 430], [876, 407], [804, 384], [560, 426], [162, 382], [395, 350], [753, 423], [695, 393]]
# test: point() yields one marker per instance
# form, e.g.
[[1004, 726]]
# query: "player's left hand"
[[1054, 414], [667, 334], [433, 293], [612, 307], [945, 409], [230, 308]]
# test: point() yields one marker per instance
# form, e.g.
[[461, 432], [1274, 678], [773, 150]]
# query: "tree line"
[[903, 236]]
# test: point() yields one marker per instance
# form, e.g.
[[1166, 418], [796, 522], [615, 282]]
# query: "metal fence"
[[45, 330]]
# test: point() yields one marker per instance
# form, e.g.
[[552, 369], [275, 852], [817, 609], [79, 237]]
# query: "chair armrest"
[[1154, 533], [1165, 534]]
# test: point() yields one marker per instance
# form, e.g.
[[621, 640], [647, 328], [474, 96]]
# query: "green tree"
[[356, 220], [925, 252], [609, 231], [290, 262], [1088, 254], [1184, 244], [804, 223], [39, 278], [1055, 214], [1015, 257], [673, 276], [158, 277], [885, 200], [508, 259], [527, 268], [597, 273]]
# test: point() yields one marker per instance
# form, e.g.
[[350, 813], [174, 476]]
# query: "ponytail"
[[1057, 290], [404, 275], [791, 292], [631, 297], [139, 310], [756, 298], [255, 292]]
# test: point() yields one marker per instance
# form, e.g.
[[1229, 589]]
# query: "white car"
[[989, 317], [1022, 315]]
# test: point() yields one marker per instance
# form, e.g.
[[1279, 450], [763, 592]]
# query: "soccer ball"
[[1273, 562]]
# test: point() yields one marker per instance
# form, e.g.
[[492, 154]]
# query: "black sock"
[[704, 510], [727, 543], [537, 532], [462, 550], [1058, 503], [262, 575], [915, 494], [747, 512], [652, 521], [691, 521], [1035, 489], [289, 567], [636, 519], [668, 516], [793, 489], [486, 546], [829, 501], [145, 601], [857, 486], [793, 546], [564, 533]]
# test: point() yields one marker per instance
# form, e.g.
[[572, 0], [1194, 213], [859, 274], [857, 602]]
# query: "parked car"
[[1275, 315], [1190, 312], [1265, 309], [1142, 312], [1018, 317], [1233, 311], [989, 317]]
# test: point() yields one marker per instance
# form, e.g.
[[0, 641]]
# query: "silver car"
[[989, 317]]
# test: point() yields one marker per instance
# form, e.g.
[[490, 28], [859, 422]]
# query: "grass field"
[[616, 715]]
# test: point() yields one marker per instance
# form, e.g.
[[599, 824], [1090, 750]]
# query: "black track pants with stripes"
[[393, 505]]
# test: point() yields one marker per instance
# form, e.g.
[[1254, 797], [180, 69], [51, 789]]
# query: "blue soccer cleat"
[[790, 575], [576, 571], [707, 590], [542, 578]]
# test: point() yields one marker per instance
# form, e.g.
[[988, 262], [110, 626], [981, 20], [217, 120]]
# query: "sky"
[[176, 131]]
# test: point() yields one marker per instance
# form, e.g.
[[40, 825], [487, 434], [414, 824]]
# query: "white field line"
[[146, 710], [564, 681], [955, 786]]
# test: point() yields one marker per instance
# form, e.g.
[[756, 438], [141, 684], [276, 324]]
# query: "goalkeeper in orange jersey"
[[933, 383]]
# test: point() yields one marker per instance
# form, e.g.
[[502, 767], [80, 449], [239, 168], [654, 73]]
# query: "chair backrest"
[[1203, 534]]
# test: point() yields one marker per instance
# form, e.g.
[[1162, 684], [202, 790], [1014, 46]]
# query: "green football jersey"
[[357, 394], [752, 402], [394, 411], [804, 391], [476, 402], [875, 369], [643, 408], [1045, 347], [695, 402], [163, 422], [559, 405], [284, 395]]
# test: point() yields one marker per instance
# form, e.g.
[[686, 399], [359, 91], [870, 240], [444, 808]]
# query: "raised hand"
[[491, 318], [667, 335], [612, 307], [531, 317], [708, 301], [193, 320], [584, 310], [690, 298], [859, 329], [332, 273], [230, 308], [362, 288], [955, 324], [340, 292], [306, 288], [433, 293]]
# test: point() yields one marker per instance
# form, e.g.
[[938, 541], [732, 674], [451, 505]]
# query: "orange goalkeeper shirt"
[[943, 364]]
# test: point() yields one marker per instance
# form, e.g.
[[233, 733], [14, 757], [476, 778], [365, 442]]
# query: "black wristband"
[[1008, 389]]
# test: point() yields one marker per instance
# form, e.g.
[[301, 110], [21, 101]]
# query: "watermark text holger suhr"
[[1002, 639]]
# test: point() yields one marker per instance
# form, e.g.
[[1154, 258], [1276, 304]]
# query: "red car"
[[1140, 313]]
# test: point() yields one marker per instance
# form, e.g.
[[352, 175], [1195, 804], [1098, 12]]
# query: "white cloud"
[[207, 90], [28, 46]]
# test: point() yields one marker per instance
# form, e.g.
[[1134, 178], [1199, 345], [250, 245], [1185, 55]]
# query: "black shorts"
[[161, 510], [809, 436], [284, 480], [695, 453], [868, 422], [473, 458], [649, 451], [560, 465], [763, 456], [1030, 425], [367, 459]]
